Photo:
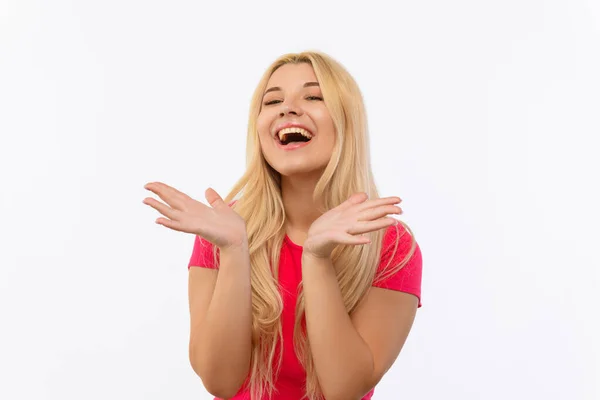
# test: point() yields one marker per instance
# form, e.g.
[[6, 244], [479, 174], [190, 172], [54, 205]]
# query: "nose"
[[289, 108]]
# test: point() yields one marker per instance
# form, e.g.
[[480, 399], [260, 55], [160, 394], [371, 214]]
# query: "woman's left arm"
[[352, 353]]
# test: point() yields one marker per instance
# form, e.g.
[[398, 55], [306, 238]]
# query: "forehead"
[[292, 75]]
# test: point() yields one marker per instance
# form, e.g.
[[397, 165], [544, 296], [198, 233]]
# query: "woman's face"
[[293, 102]]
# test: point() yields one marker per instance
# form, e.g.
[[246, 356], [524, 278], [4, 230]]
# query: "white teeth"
[[286, 131]]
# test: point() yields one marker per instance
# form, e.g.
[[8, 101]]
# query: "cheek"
[[323, 119], [262, 126], [327, 129]]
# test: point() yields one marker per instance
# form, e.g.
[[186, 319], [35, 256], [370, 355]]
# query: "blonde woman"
[[301, 283]]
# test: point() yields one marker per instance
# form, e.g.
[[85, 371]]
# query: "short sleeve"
[[408, 278], [202, 254]]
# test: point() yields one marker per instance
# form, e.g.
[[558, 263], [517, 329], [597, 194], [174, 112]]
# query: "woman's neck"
[[300, 209]]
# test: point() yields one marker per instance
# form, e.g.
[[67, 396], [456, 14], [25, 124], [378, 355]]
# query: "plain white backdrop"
[[484, 119]]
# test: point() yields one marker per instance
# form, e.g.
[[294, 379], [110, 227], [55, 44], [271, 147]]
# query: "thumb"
[[359, 197], [356, 198], [213, 198]]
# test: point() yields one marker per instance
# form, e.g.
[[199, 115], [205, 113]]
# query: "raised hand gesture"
[[345, 223], [218, 224]]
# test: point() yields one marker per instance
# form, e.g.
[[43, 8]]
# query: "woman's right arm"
[[220, 300], [221, 322]]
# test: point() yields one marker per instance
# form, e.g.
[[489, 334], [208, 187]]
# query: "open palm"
[[345, 223], [218, 224]]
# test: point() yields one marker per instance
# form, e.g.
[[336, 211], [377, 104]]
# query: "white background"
[[483, 118]]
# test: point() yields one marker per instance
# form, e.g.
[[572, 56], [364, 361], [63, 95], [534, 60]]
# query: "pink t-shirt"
[[292, 377]]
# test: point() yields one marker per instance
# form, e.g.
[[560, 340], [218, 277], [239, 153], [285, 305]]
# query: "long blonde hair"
[[259, 202]]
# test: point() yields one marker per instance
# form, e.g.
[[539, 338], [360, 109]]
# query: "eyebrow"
[[276, 88]]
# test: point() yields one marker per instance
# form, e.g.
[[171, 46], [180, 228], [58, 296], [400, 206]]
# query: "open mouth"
[[293, 135]]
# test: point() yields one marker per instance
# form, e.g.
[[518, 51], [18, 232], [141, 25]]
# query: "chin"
[[299, 170]]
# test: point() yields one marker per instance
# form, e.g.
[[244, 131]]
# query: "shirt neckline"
[[292, 244]]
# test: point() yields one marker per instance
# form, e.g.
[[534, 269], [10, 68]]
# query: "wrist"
[[314, 251], [317, 270], [309, 257], [238, 246]]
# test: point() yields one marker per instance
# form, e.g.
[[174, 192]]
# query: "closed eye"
[[312, 98]]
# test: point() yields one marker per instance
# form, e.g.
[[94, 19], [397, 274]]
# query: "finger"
[[371, 214], [354, 240], [160, 207], [213, 198], [348, 239], [161, 187], [372, 226], [168, 194], [175, 225], [380, 202], [353, 200]]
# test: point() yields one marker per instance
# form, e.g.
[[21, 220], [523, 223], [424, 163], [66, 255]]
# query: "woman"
[[307, 286]]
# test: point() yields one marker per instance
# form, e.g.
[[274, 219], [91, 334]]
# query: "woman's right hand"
[[218, 224]]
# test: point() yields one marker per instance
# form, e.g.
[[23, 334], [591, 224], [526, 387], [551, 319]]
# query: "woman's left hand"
[[345, 223]]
